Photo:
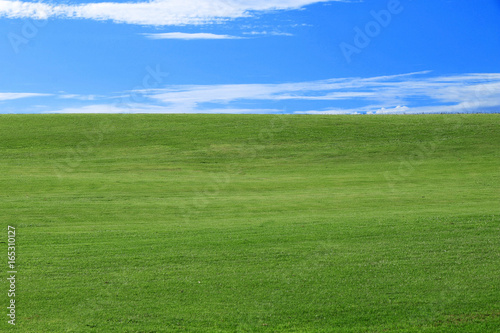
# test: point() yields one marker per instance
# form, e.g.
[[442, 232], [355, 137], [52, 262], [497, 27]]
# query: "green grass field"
[[252, 223]]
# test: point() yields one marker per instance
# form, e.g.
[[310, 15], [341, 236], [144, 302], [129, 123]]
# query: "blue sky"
[[242, 56]]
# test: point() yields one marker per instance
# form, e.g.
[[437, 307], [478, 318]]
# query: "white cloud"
[[312, 91], [189, 36], [154, 12], [395, 94], [11, 96], [332, 89], [78, 97], [397, 109], [90, 109], [406, 93], [110, 108], [269, 33]]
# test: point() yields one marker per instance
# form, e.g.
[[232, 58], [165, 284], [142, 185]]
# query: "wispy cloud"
[[151, 109], [189, 36], [267, 33], [78, 97], [324, 90], [405, 93], [11, 96], [156, 12]]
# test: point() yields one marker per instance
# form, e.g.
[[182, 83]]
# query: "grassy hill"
[[246, 223]]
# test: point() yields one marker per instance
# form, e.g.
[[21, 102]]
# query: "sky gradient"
[[260, 56]]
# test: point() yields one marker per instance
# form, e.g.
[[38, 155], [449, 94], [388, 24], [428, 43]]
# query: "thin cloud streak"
[[154, 109], [268, 33], [12, 96], [78, 97], [188, 36]]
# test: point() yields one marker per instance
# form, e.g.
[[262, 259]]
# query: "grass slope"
[[225, 223]]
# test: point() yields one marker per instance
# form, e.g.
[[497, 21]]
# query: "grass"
[[236, 223]]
